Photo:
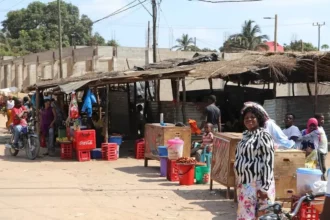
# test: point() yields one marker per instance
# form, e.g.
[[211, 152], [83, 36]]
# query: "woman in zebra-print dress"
[[254, 166]]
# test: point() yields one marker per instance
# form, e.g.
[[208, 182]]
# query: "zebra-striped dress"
[[254, 166]]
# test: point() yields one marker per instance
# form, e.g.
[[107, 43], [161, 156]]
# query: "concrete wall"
[[27, 70]]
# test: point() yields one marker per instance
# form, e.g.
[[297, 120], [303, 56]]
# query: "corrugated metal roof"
[[72, 86]]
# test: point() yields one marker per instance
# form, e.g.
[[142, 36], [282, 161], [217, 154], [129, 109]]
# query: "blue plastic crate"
[[96, 154], [115, 139]]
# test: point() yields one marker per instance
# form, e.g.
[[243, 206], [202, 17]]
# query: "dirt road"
[[49, 188]]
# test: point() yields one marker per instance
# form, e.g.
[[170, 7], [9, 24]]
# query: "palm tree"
[[184, 43], [325, 47], [248, 39]]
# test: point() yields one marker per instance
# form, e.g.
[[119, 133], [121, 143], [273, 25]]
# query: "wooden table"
[[156, 135], [223, 158]]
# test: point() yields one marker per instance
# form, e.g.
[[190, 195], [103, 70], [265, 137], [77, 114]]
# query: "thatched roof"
[[247, 68], [116, 77]]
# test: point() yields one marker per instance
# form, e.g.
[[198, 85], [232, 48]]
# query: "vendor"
[[212, 114], [272, 128], [47, 123], [99, 128]]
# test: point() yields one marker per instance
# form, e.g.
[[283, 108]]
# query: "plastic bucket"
[[116, 139], [202, 174], [306, 177], [186, 174], [162, 151], [175, 148], [163, 166]]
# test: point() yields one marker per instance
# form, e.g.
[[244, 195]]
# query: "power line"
[[8, 9], [123, 9], [145, 8]]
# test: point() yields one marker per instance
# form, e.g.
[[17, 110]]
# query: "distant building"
[[271, 47]]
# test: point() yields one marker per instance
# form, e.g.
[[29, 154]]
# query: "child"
[[207, 143], [323, 145], [310, 142], [311, 156]]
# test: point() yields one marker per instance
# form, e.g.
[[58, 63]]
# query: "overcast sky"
[[209, 23]]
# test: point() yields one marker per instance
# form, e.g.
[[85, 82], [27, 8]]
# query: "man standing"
[[291, 131], [212, 115], [19, 120]]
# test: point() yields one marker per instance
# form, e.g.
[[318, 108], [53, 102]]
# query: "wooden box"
[[223, 158], [286, 164], [156, 135]]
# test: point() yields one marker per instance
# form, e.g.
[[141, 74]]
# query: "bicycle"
[[276, 212]]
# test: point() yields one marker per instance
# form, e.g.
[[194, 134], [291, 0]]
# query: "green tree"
[[34, 29], [184, 43], [248, 39], [325, 47], [296, 46], [113, 43]]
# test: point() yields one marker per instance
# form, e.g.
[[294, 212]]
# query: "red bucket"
[[186, 174]]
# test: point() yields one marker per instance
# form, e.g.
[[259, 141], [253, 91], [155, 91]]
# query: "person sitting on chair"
[[207, 143]]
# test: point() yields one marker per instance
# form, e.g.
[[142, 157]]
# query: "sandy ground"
[[49, 188]]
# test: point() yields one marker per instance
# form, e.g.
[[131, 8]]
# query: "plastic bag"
[[319, 187]]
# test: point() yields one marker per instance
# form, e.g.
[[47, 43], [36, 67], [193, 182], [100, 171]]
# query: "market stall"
[[157, 135], [285, 166]]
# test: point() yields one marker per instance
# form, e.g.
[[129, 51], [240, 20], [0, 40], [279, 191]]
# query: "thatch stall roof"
[[99, 79]]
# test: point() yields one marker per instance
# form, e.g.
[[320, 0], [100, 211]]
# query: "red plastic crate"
[[66, 151], [83, 155], [109, 151], [139, 150], [172, 171], [306, 212], [85, 140]]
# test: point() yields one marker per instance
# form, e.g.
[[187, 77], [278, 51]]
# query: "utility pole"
[[319, 25], [275, 31], [154, 29], [275, 34], [60, 37], [148, 40]]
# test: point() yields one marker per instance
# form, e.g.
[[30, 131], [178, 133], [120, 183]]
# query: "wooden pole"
[[293, 89], [134, 110], [316, 86], [106, 137], [129, 106], [308, 88], [37, 115], [184, 97], [60, 37], [211, 84], [177, 106]]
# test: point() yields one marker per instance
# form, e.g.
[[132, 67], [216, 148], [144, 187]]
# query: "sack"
[[43, 141]]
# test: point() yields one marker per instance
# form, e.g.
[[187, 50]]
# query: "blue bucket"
[[115, 139], [162, 151]]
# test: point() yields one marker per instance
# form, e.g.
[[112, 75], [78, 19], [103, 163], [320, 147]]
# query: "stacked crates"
[[109, 151]]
